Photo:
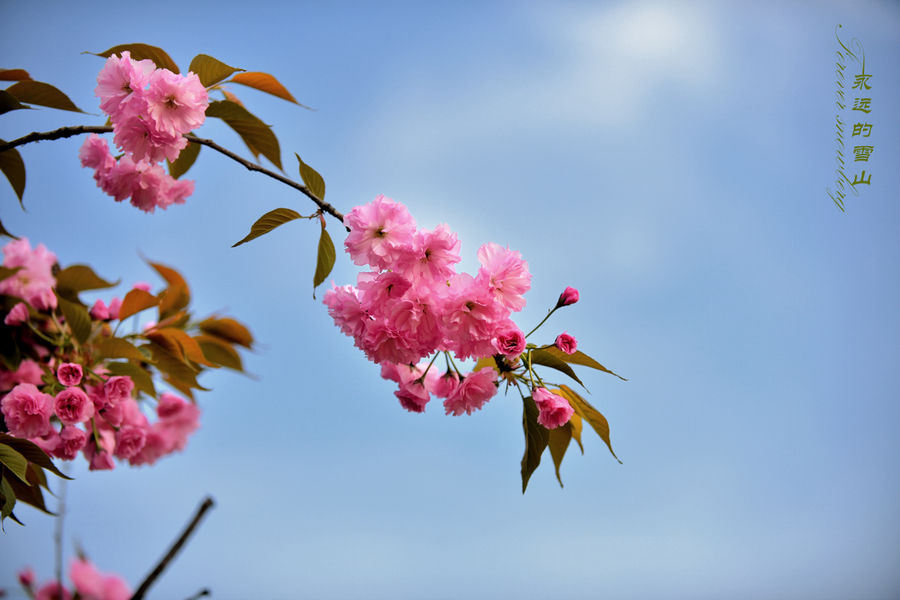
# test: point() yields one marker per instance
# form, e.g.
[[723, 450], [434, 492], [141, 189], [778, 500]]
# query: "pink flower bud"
[[569, 296], [26, 577], [566, 343]]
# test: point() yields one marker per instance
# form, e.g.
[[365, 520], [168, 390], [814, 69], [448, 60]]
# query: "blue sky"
[[668, 160]]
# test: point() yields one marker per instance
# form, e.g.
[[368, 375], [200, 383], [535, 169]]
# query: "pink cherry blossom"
[[53, 591], [505, 273], [472, 393], [27, 411], [130, 441], [446, 384], [431, 256], [179, 417], [554, 410], [120, 81], [569, 296], [29, 371], [510, 340], [34, 282], [17, 316], [69, 374], [413, 396], [26, 577], [566, 343], [118, 388], [176, 103], [379, 232], [73, 406], [71, 441], [99, 311]]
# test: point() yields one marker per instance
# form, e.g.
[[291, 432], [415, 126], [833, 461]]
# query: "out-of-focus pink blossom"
[[34, 282], [52, 591], [26, 577], [118, 388], [142, 285], [69, 374], [130, 441], [27, 411], [29, 371], [569, 296], [178, 417], [554, 410], [72, 406], [99, 311], [566, 343], [114, 305], [71, 441], [17, 316], [472, 392]]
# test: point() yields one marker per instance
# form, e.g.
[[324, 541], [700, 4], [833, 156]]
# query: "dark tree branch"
[[152, 577], [67, 132]]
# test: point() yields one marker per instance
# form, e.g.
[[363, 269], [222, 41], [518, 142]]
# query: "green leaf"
[[9, 103], [14, 75], [579, 358], [42, 94], [119, 348], [265, 83], [324, 260], [210, 70], [228, 329], [141, 378], [15, 462], [257, 135], [77, 317], [30, 492], [7, 497], [311, 178], [13, 167], [590, 414], [268, 222], [548, 359], [559, 443], [185, 160], [3, 230], [32, 453], [536, 438], [77, 278], [141, 52], [135, 301]]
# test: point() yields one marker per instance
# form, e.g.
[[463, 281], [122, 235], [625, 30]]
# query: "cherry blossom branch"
[[152, 577], [67, 132]]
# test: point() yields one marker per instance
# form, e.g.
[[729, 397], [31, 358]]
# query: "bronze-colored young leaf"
[[30, 492], [7, 496], [15, 462], [265, 83], [546, 358], [579, 358], [141, 52], [228, 329], [590, 414], [536, 438], [256, 134], [220, 352], [268, 222], [185, 160], [141, 378], [77, 278], [42, 94], [13, 167], [171, 276], [311, 178], [135, 301], [14, 75], [6, 272], [210, 70], [559, 443], [179, 344], [575, 426], [120, 348], [324, 260], [9, 103], [32, 453], [3, 230], [173, 299], [77, 318], [175, 371]]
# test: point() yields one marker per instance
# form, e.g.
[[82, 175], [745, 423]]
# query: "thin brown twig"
[[152, 577], [67, 132]]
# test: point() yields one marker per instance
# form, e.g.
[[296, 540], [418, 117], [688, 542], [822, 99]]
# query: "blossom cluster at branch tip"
[[65, 400], [413, 303], [150, 109]]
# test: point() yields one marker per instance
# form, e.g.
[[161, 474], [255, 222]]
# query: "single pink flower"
[[118, 388], [17, 316], [569, 296], [72, 406], [413, 396], [27, 411], [99, 311], [554, 410], [178, 417], [566, 343], [29, 371], [53, 591], [34, 282], [69, 374], [114, 305], [130, 441], [510, 341], [121, 80], [505, 273], [472, 393], [379, 232], [87, 580], [71, 441], [176, 103]]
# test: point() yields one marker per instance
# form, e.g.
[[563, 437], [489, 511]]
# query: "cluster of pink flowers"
[[67, 406], [413, 303], [87, 581], [150, 110]]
